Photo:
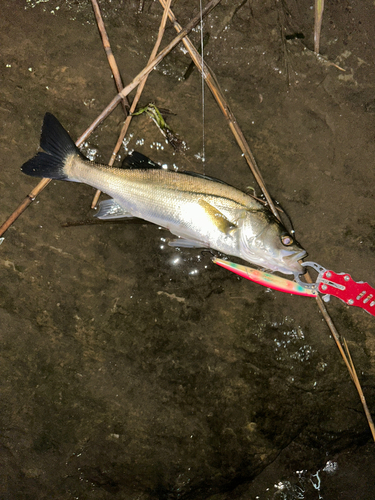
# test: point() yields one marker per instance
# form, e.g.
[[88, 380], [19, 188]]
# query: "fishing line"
[[203, 103]]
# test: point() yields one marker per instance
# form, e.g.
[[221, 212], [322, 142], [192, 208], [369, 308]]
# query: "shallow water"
[[130, 369]]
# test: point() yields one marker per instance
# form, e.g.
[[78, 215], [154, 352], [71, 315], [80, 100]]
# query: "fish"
[[203, 212]]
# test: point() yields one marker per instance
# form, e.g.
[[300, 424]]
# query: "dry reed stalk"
[[214, 87], [137, 96], [319, 8], [22, 207], [111, 58], [354, 376], [43, 183]]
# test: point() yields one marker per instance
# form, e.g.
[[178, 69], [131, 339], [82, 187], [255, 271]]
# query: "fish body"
[[201, 211]]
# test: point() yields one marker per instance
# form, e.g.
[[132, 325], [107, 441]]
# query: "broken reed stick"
[[214, 87], [22, 207], [44, 182], [318, 18], [359, 389], [111, 58], [137, 96], [115, 72], [220, 99]]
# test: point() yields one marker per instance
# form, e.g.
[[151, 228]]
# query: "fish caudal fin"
[[58, 146]]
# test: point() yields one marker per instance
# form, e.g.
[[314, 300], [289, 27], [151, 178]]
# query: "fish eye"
[[287, 240]]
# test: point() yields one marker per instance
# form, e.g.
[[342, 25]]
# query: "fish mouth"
[[292, 266]]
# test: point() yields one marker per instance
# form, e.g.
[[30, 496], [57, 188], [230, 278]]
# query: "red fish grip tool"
[[342, 286]]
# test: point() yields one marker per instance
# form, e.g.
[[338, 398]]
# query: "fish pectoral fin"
[[217, 218], [110, 209], [185, 243]]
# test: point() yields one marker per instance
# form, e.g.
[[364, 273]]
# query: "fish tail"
[[57, 145]]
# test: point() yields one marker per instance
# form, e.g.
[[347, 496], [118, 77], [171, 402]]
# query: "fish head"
[[266, 242]]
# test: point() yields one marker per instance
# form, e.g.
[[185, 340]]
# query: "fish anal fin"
[[110, 209], [217, 218]]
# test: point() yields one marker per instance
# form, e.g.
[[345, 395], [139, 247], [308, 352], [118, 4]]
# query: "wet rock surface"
[[129, 369]]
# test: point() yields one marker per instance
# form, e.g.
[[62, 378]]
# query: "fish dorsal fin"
[[139, 161], [221, 222]]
